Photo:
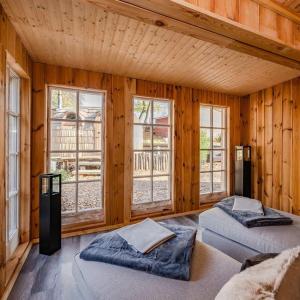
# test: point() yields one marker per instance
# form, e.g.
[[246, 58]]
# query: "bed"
[[232, 238], [211, 269]]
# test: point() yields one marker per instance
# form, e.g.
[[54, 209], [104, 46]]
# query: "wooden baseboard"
[[12, 279]]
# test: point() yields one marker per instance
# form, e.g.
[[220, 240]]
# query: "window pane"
[[68, 196], [63, 104], [13, 215], [142, 111], [218, 138], [219, 182], [205, 116], [205, 160], [14, 94], [90, 106], [89, 195], [161, 188], [142, 163], [161, 112], [89, 166], [13, 173], [219, 117], [161, 162], [219, 160], [64, 164], [13, 134], [142, 137], [161, 137], [89, 135], [205, 140], [205, 183], [141, 190], [63, 136]]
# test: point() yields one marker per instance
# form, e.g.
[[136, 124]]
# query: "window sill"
[[151, 209], [82, 219], [213, 197]]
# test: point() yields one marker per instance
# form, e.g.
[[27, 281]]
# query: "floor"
[[50, 277]]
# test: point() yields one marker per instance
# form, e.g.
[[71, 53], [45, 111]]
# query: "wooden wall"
[[271, 125], [261, 16], [118, 135], [12, 51]]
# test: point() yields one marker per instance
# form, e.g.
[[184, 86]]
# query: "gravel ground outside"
[[90, 195]]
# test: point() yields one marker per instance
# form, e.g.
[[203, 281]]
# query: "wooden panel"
[[95, 38], [287, 147], [228, 9], [268, 22], [253, 144], [296, 145], [118, 170], [38, 133], [249, 14], [25, 157], [245, 120], [268, 147], [130, 91], [260, 144], [275, 161], [277, 145]]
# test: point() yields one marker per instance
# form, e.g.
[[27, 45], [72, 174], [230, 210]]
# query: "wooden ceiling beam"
[[180, 16]]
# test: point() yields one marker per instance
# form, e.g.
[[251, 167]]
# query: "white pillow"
[[247, 204], [146, 235], [262, 281]]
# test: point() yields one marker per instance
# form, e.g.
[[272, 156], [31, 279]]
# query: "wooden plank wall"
[[118, 135], [272, 129], [259, 16], [12, 51]]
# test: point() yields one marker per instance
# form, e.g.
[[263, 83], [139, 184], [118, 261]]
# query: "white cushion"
[[261, 281], [146, 235], [247, 204]]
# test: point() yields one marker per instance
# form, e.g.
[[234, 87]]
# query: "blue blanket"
[[171, 259], [248, 219]]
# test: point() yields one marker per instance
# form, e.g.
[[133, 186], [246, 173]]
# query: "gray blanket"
[[171, 259], [248, 219]]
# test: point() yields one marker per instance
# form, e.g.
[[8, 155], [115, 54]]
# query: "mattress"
[[227, 246], [266, 239], [211, 269]]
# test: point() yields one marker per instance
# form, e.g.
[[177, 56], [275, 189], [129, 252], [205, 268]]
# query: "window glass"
[[76, 147], [152, 155], [12, 159], [213, 149]]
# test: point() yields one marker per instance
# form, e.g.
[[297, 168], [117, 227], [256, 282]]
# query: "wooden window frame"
[[216, 196], [94, 215], [154, 207]]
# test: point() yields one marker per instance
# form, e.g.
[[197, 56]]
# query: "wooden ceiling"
[[79, 34], [293, 5]]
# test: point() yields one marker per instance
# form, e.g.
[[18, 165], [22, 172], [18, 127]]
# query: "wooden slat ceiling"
[[79, 34], [293, 5]]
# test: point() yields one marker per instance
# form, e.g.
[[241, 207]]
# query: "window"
[[76, 148], [12, 160], [213, 149], [152, 151]]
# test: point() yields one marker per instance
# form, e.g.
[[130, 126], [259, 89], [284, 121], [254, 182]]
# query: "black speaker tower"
[[243, 171], [50, 213]]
